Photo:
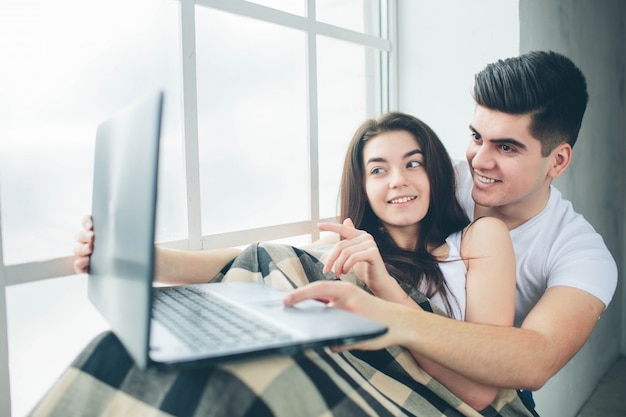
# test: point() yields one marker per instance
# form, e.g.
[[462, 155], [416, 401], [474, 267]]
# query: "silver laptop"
[[192, 324]]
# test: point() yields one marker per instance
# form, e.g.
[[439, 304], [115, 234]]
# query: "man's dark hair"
[[545, 85]]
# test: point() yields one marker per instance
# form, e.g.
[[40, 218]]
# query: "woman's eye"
[[414, 164], [377, 171]]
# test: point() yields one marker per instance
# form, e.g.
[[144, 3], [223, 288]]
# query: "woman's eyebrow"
[[375, 159], [413, 152], [406, 155]]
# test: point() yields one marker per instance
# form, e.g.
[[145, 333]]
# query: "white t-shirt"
[[556, 247]]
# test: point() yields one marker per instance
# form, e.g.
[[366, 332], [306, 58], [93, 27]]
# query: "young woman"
[[402, 230]]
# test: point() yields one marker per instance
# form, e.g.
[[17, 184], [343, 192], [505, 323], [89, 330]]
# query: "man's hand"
[[349, 297]]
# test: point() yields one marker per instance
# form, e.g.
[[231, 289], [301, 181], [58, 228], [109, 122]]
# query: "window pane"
[[252, 122], [348, 86], [357, 15], [49, 323], [64, 70], [171, 213]]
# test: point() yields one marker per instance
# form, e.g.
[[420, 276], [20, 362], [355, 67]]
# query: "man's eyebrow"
[[504, 141], [509, 141]]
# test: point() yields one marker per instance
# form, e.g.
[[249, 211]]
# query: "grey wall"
[[442, 43], [592, 34]]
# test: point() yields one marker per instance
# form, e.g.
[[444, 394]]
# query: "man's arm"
[[508, 357], [522, 358]]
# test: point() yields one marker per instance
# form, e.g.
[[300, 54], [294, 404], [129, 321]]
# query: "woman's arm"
[[171, 266], [178, 267], [490, 290]]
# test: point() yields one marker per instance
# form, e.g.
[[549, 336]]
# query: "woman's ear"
[[561, 156]]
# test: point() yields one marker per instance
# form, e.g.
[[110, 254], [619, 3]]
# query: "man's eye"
[[507, 148], [476, 136]]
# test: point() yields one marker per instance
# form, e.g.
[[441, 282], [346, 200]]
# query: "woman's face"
[[396, 182]]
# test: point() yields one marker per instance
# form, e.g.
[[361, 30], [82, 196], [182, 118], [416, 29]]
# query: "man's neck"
[[515, 214]]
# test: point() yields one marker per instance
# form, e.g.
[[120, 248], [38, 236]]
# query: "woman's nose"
[[398, 179]]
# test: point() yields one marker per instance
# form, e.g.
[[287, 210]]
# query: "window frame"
[[387, 97], [27, 272], [313, 28]]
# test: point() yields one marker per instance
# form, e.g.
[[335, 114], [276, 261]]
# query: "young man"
[[528, 114]]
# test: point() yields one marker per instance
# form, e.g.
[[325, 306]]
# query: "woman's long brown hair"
[[417, 268]]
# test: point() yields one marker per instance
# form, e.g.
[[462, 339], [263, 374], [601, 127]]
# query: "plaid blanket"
[[103, 380]]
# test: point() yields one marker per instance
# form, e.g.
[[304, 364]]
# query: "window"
[[65, 71], [261, 100], [278, 96]]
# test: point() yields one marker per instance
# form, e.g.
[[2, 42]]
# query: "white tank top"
[[454, 272]]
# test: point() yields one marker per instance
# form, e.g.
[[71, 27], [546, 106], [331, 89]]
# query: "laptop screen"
[[123, 210]]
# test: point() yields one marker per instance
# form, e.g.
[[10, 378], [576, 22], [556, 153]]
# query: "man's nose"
[[480, 157]]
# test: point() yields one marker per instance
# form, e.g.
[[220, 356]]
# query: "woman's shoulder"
[[484, 232], [485, 224]]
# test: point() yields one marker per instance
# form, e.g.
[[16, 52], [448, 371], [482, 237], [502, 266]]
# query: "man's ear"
[[560, 158]]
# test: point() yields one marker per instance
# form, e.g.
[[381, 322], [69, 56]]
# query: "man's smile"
[[484, 180]]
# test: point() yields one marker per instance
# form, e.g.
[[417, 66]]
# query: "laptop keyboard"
[[204, 321]]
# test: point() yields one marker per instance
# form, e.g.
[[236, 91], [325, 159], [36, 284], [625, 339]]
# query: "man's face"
[[509, 173]]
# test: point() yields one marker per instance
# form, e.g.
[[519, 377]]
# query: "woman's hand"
[[84, 246], [357, 251], [171, 266]]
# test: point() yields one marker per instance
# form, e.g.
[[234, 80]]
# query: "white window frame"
[[308, 24], [387, 100]]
